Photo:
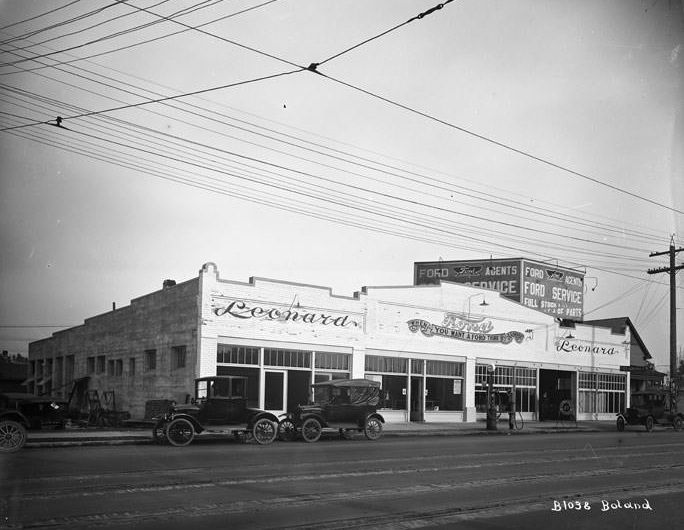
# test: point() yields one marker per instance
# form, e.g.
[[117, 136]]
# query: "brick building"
[[429, 345]]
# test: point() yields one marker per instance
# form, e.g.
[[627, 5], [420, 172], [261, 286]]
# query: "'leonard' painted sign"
[[245, 311], [556, 291]]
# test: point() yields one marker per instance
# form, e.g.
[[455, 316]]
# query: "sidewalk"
[[143, 434]]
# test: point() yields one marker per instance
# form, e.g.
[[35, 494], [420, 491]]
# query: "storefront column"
[[358, 367], [469, 411], [628, 390], [262, 380]]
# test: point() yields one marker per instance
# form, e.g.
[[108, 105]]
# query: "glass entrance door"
[[275, 391], [417, 412]]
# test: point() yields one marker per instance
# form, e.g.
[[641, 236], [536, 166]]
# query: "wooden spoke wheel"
[[311, 430], [12, 436], [180, 432]]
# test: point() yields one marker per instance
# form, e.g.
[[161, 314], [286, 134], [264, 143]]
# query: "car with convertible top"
[[339, 405]]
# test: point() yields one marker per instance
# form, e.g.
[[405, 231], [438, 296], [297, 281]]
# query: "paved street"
[[477, 482]]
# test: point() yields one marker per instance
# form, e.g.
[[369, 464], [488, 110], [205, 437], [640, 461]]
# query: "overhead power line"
[[498, 143], [38, 16], [147, 41], [63, 35], [429, 228], [412, 19], [158, 100], [60, 24], [314, 68]]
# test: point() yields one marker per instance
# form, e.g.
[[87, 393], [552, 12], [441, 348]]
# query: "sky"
[[335, 143]]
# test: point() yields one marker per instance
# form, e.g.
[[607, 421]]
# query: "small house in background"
[[643, 375], [13, 372]]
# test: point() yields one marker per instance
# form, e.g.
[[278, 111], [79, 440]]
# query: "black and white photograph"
[[332, 264]]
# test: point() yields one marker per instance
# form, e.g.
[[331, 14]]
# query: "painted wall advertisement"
[[553, 290]]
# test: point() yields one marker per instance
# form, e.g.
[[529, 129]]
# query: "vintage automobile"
[[341, 405], [649, 408], [219, 407], [20, 411]]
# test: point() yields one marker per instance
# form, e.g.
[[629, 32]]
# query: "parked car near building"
[[649, 408], [219, 407], [343, 405], [19, 412]]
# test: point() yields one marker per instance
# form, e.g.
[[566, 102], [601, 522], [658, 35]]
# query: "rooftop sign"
[[553, 290]]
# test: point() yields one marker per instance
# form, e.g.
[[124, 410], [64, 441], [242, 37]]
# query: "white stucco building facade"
[[429, 345]]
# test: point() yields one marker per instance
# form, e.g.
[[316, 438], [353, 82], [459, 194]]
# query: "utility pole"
[[672, 269]]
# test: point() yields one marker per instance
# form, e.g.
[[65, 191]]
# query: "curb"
[[146, 439]]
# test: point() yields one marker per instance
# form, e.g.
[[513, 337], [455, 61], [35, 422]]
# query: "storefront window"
[[601, 393], [393, 386], [393, 394], [505, 379], [378, 363], [444, 368], [287, 358], [332, 361], [230, 354], [443, 393]]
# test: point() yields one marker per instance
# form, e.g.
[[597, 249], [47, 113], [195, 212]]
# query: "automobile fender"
[[17, 416], [259, 415], [286, 416], [195, 424], [620, 415], [371, 415], [318, 417]]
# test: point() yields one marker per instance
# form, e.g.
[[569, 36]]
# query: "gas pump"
[[491, 405]]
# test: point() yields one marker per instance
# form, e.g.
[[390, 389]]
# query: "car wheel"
[[287, 430], [373, 428], [180, 432], [311, 430], [649, 423], [678, 423], [621, 424], [265, 431], [159, 432], [12, 436]]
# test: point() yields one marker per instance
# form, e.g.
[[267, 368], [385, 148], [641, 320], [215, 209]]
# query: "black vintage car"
[[342, 405], [20, 411], [219, 407], [649, 408]]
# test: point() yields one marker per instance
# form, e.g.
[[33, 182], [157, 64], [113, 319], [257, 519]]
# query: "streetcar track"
[[188, 483], [412, 519], [513, 506], [615, 452]]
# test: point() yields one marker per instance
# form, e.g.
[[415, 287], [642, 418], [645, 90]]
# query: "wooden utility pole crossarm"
[[672, 270]]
